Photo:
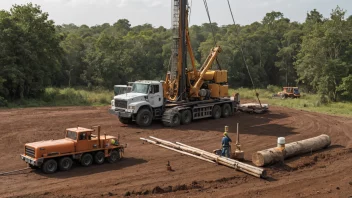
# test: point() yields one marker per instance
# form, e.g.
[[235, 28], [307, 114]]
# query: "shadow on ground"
[[256, 124], [77, 170]]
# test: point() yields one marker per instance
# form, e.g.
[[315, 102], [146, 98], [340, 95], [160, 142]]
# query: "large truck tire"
[[144, 117], [65, 163], [114, 156], [176, 120], [171, 118], [186, 116], [216, 113], [99, 157], [226, 111], [49, 166], [87, 159], [173, 121]]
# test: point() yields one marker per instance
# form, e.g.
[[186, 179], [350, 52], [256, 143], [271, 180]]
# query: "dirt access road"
[[143, 171]]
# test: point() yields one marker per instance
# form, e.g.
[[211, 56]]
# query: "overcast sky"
[[158, 12]]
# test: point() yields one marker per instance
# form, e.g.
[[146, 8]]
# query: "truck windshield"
[[295, 91], [71, 135], [140, 88]]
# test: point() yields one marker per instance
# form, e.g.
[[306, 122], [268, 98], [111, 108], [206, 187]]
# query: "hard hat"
[[112, 141], [225, 133]]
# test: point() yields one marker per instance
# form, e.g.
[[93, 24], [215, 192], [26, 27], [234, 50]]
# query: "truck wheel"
[[186, 116], [125, 120], [114, 156], [87, 159], [99, 157], [49, 166], [65, 163], [175, 120], [216, 113], [226, 110], [144, 117]]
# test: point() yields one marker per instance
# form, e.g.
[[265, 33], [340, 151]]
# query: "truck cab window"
[[72, 135], [155, 88], [82, 136]]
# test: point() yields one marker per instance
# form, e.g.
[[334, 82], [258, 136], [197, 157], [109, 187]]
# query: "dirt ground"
[[327, 173]]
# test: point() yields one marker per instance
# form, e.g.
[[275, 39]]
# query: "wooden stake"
[[238, 136]]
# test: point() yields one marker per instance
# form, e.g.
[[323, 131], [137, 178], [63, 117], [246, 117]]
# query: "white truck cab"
[[143, 103]]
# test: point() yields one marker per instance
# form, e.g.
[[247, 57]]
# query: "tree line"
[[35, 53]]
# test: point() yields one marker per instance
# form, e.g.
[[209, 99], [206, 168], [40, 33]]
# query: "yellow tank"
[[224, 90], [214, 90], [209, 75], [220, 76]]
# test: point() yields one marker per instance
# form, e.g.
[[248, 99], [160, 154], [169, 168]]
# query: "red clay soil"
[[327, 173]]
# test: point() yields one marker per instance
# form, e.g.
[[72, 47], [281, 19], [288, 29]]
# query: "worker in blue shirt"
[[226, 147]]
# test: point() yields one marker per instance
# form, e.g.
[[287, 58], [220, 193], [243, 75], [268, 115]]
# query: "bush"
[[3, 102], [273, 88], [50, 94], [317, 103], [324, 99], [73, 97], [103, 101]]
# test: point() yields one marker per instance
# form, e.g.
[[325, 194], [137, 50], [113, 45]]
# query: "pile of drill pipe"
[[207, 156], [273, 155]]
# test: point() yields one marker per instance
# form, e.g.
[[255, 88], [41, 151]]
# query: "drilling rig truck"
[[186, 94]]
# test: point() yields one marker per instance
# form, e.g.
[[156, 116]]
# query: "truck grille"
[[30, 152], [121, 104]]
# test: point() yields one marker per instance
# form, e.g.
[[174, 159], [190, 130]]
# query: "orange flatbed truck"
[[79, 144]]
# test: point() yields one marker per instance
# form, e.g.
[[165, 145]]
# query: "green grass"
[[99, 97], [67, 97], [309, 102]]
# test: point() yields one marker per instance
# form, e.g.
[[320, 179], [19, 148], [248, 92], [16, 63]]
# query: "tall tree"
[[30, 51], [320, 62]]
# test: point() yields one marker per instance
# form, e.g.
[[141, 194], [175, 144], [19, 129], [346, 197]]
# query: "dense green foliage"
[[66, 97], [34, 53], [30, 52]]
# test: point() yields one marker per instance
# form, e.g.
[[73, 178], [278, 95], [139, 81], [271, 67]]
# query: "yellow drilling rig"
[[186, 94]]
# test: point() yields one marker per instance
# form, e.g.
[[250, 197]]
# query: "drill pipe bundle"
[[207, 156]]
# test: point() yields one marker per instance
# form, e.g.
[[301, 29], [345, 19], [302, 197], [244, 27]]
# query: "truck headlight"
[[112, 102], [132, 107]]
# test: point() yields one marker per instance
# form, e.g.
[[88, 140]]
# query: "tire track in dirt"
[[145, 165]]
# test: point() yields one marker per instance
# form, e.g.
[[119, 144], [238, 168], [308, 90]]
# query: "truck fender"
[[141, 104]]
